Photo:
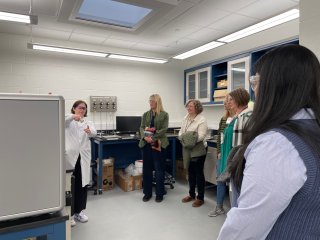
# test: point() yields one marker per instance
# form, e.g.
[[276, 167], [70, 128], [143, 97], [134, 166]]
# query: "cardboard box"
[[222, 83], [219, 95], [137, 182], [181, 172], [126, 183], [107, 174]]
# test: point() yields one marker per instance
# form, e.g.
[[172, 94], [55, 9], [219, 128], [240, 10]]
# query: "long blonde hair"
[[157, 99], [227, 112]]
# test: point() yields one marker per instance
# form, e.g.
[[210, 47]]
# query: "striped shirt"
[[222, 126], [241, 121]]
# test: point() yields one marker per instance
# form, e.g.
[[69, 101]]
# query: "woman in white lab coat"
[[78, 155]]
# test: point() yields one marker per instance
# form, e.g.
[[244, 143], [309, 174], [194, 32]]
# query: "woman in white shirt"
[[278, 168], [78, 155], [194, 156]]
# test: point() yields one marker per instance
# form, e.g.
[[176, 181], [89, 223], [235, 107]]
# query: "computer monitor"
[[128, 124]]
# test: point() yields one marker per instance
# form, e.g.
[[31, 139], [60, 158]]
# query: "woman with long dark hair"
[[277, 171]]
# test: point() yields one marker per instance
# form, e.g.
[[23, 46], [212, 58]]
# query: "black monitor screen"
[[128, 124]]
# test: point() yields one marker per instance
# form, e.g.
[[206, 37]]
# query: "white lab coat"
[[78, 142]]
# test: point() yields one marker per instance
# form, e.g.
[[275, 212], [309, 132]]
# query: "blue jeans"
[[221, 186], [153, 160]]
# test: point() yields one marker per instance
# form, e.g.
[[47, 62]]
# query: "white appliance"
[[32, 169]]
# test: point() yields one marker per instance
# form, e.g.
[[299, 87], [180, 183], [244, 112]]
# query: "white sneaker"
[[72, 222], [218, 211], [81, 217]]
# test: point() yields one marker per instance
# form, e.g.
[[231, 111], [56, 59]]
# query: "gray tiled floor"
[[118, 215]]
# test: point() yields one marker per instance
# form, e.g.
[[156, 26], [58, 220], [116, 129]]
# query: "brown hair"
[[197, 105], [76, 104], [240, 96]]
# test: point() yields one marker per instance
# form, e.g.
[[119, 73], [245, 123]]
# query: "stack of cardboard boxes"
[[220, 94], [107, 174], [181, 171], [127, 182]]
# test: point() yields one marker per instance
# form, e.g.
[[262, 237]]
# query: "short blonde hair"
[[197, 105], [157, 99]]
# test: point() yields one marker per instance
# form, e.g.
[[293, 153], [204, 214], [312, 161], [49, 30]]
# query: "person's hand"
[[76, 117], [219, 155], [87, 130], [148, 139]]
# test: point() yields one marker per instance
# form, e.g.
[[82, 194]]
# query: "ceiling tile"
[[50, 33], [232, 23], [229, 5], [184, 44], [151, 47], [10, 27], [206, 35], [208, 15], [77, 37], [178, 29], [118, 43], [264, 9]]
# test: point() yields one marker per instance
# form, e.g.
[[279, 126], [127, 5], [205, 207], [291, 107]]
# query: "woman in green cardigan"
[[153, 142]]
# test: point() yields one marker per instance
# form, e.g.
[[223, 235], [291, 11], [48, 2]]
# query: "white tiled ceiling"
[[184, 25]]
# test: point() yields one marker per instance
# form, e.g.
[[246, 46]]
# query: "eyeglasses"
[[82, 108], [254, 80]]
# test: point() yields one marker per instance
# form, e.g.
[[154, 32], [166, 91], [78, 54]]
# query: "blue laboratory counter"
[[126, 151], [51, 226]]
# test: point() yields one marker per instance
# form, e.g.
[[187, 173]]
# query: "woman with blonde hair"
[[221, 186], [153, 142], [232, 135]]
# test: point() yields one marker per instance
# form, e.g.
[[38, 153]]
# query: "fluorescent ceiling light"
[[198, 50], [21, 18], [49, 48], [238, 69], [140, 59], [269, 23], [66, 50]]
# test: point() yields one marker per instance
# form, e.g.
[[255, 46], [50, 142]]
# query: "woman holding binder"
[[153, 142]]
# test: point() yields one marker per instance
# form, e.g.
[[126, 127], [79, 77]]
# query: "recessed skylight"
[[112, 12]]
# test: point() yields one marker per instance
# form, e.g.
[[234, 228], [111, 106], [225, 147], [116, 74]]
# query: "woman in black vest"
[[277, 171]]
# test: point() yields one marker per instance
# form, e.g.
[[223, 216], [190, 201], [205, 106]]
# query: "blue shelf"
[[221, 75], [219, 88]]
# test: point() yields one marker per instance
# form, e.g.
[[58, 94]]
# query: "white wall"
[[77, 77], [309, 25]]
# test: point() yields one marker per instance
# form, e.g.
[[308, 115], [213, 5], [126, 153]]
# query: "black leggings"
[[80, 193]]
